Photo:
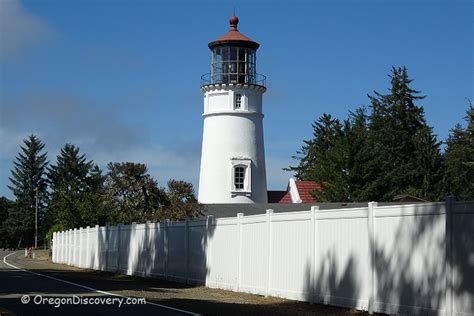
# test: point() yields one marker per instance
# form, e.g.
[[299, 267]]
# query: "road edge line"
[[91, 288]]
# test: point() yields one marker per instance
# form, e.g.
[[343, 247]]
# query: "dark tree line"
[[74, 192], [391, 150]]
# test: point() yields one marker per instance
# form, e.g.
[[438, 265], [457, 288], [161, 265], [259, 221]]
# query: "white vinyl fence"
[[408, 259]]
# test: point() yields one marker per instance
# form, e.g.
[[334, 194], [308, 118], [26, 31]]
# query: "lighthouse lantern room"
[[233, 156]]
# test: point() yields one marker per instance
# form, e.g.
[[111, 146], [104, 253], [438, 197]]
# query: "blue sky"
[[120, 79]]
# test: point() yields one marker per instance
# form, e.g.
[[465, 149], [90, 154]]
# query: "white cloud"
[[99, 131], [163, 163], [19, 29]]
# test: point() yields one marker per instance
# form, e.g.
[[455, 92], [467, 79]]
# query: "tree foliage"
[[5, 207], [459, 159], [132, 194], [76, 185], [182, 201], [406, 155], [375, 156], [28, 181]]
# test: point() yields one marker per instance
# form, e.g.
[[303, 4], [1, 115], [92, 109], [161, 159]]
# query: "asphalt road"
[[25, 292]]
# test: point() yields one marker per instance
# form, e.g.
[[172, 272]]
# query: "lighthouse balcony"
[[233, 78]]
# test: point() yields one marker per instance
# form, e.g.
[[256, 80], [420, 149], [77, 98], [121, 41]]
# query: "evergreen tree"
[[378, 156], [406, 154], [5, 206], [326, 131], [76, 188], [335, 156], [27, 182], [356, 154], [459, 159]]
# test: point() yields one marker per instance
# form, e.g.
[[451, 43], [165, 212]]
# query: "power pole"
[[36, 219]]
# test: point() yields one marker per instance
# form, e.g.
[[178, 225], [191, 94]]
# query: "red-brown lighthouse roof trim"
[[233, 36]]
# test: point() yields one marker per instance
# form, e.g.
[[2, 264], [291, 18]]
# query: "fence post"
[[80, 246], [239, 236], [106, 259], [208, 249], [74, 247], [269, 252], [119, 228], [449, 253], [58, 247], [64, 254], [66, 247], [132, 251], [52, 247], [96, 249], [70, 247], [371, 231], [88, 246], [312, 281], [165, 247], [148, 263], [61, 250], [186, 250]]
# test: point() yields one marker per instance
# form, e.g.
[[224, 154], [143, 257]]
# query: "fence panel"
[[176, 268], [159, 251], [254, 254], [224, 257], [113, 248], [410, 258], [342, 259], [140, 250], [197, 245], [124, 248], [290, 274], [463, 258]]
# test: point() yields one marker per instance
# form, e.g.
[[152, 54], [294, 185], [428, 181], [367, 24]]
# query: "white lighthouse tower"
[[233, 156]]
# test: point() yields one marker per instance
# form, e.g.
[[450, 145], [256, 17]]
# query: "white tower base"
[[233, 157]]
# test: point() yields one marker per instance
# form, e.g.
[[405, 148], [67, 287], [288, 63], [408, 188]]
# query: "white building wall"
[[232, 133]]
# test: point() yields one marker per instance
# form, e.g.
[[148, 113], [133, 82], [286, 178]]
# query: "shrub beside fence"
[[395, 259]]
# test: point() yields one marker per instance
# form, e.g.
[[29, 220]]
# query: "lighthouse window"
[[239, 177], [233, 65], [238, 101]]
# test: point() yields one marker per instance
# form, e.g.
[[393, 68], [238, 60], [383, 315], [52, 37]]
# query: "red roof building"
[[296, 192]]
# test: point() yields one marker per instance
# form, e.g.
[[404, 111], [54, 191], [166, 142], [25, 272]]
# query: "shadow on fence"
[[408, 265]]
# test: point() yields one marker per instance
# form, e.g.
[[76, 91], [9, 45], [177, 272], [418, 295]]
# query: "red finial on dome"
[[233, 22]]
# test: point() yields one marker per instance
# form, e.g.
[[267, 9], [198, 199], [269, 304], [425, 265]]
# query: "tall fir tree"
[[28, 182], [392, 151], [5, 207], [334, 157], [326, 131], [459, 159], [406, 155], [76, 190]]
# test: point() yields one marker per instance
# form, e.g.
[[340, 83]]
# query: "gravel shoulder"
[[198, 299]]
